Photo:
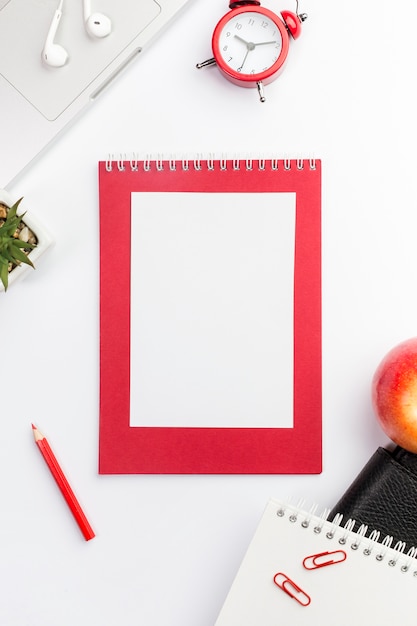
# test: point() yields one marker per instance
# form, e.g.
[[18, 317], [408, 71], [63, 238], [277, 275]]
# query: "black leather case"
[[384, 496]]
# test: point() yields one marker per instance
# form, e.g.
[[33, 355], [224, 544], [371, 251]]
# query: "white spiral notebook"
[[306, 570]]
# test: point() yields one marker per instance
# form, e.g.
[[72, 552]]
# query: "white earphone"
[[53, 54], [96, 24]]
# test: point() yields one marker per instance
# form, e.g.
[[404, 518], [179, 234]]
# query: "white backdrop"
[[168, 547]]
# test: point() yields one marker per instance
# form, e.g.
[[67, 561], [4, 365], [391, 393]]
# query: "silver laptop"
[[43, 89]]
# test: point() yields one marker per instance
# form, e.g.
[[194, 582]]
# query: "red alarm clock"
[[250, 43]]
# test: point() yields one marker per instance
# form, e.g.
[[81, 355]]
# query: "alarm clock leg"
[[261, 93], [206, 63]]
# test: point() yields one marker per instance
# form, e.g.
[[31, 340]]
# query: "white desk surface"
[[168, 547]]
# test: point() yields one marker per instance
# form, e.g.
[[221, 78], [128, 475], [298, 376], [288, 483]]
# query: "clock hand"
[[239, 69], [264, 43], [241, 39]]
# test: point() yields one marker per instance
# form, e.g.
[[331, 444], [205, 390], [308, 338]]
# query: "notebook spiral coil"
[[385, 550], [161, 164]]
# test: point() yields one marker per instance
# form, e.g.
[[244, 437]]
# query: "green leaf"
[[7, 255], [20, 256], [23, 244], [4, 276], [13, 209]]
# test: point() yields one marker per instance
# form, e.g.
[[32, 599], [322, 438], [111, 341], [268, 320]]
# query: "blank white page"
[[212, 299]]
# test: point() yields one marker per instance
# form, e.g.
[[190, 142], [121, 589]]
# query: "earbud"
[[96, 24], [53, 54]]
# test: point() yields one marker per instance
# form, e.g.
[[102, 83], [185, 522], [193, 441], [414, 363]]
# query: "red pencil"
[[63, 484]]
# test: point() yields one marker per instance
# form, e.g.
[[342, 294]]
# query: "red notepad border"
[[124, 449]]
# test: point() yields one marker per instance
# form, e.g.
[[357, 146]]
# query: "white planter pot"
[[43, 236]]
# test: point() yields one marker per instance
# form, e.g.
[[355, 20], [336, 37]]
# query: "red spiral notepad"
[[210, 316]]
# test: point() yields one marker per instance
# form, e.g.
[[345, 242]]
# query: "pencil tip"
[[36, 433]]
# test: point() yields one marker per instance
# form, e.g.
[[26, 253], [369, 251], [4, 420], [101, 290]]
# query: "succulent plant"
[[13, 250]]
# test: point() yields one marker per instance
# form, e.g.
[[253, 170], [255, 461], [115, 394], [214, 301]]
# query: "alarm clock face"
[[250, 45]]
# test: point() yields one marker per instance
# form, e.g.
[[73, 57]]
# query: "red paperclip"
[[317, 560], [293, 590]]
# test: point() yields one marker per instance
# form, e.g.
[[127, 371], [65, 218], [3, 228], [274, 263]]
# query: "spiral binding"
[[345, 535], [211, 163]]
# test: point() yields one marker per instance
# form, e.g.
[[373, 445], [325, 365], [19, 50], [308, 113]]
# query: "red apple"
[[394, 394]]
